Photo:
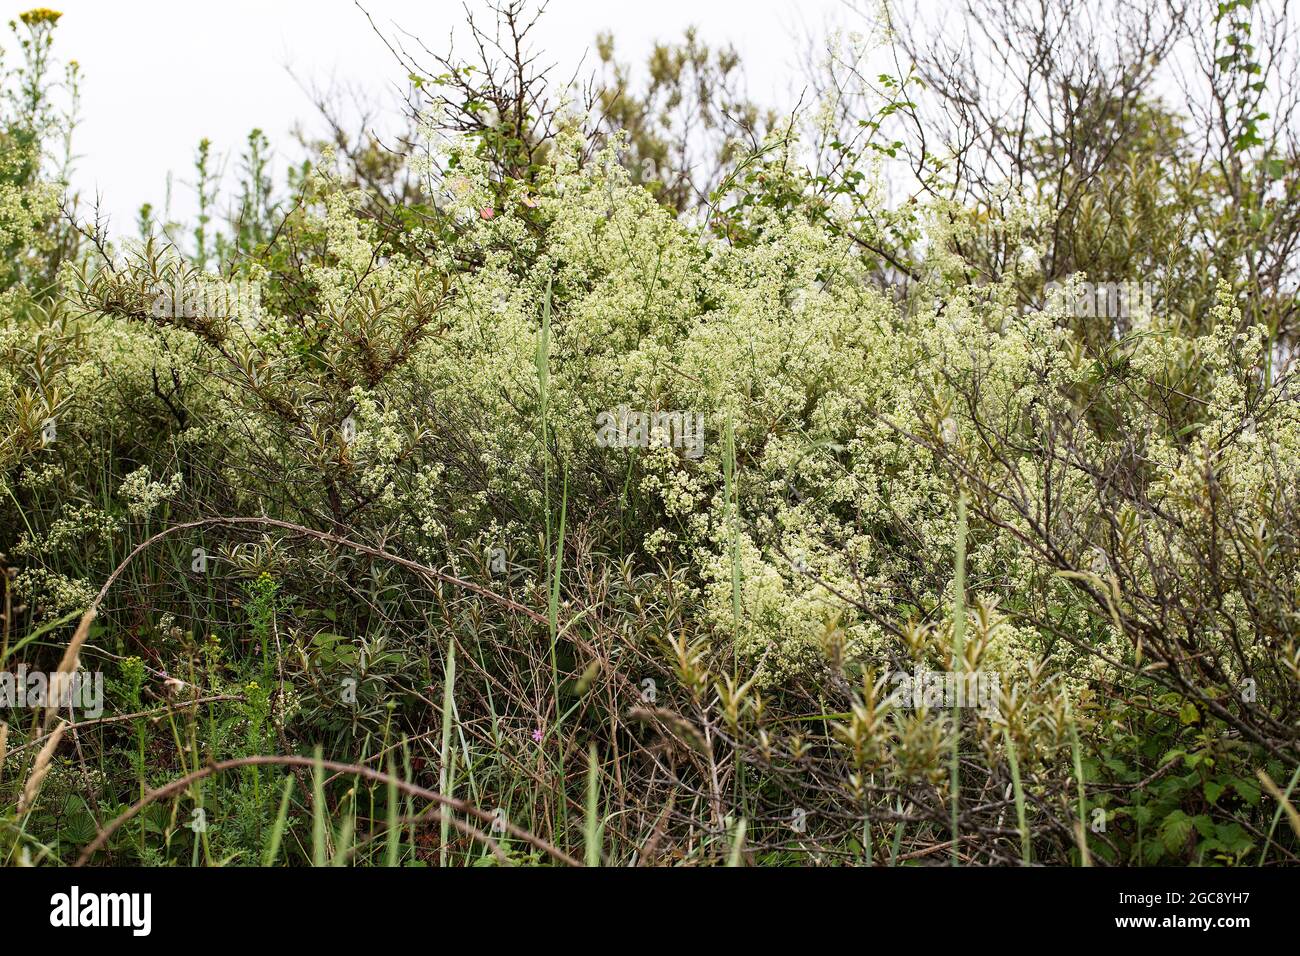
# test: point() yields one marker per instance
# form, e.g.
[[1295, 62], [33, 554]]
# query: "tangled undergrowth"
[[367, 581]]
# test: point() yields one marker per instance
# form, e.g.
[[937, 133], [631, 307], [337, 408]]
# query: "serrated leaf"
[[1248, 790], [1234, 837], [1174, 831]]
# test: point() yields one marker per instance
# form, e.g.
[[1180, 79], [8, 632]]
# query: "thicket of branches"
[[315, 480]]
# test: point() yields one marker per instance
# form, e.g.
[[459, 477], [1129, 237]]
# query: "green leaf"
[[1248, 790], [1174, 831], [1234, 837]]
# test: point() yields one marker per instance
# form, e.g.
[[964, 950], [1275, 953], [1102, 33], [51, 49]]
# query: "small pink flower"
[[537, 735], [487, 212]]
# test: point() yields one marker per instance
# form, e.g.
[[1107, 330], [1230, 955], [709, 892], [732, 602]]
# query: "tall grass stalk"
[[277, 829], [732, 513], [444, 775], [958, 665], [543, 364], [557, 565], [593, 822], [347, 827], [1085, 858], [1019, 795], [736, 856], [1283, 805], [319, 853], [897, 843], [868, 844], [554, 543], [393, 833], [408, 801]]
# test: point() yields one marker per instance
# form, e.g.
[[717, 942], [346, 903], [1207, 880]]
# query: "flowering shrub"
[[308, 502]]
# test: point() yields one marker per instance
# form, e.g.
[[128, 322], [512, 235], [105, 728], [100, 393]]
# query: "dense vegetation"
[[572, 479]]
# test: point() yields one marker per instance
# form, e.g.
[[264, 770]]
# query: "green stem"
[[959, 657]]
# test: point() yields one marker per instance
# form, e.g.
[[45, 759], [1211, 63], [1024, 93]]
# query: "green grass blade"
[[1277, 816], [736, 856], [959, 659], [1085, 858], [319, 828], [593, 821], [343, 842], [393, 835], [1019, 794], [444, 777], [277, 830]]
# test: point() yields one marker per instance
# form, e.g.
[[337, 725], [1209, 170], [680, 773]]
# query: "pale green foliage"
[[1127, 547], [835, 396]]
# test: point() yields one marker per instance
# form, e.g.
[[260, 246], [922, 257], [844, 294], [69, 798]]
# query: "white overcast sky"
[[159, 75]]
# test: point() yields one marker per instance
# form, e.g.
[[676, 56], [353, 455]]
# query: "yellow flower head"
[[40, 15]]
